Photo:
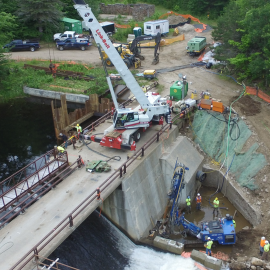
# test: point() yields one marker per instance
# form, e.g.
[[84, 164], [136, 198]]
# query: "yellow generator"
[[129, 59], [149, 74]]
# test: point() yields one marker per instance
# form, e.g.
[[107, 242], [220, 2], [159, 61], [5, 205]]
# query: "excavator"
[[135, 46], [128, 124]]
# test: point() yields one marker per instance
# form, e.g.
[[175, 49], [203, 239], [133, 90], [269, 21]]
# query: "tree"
[[41, 14], [7, 27]]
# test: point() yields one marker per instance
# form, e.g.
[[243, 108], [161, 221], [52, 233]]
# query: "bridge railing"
[[69, 220], [15, 187]]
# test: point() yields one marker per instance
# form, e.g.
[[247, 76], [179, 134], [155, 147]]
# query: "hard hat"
[[216, 198], [60, 134], [188, 197], [77, 125], [198, 194], [209, 238], [263, 238], [266, 242]]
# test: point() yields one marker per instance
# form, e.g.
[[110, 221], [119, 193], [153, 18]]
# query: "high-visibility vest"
[[234, 224], [209, 244], [266, 247], [216, 203], [198, 199], [61, 149], [188, 201], [262, 243], [79, 128]]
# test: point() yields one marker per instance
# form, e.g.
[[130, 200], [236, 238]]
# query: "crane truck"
[[128, 124]]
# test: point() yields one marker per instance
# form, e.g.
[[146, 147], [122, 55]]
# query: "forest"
[[242, 26]]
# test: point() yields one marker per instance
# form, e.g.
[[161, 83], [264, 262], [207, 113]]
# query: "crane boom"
[[101, 37]]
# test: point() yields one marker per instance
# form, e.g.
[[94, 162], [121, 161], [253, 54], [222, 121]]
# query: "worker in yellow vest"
[[188, 201], [60, 149], [79, 130], [216, 205], [265, 251], [262, 243], [209, 244], [198, 201]]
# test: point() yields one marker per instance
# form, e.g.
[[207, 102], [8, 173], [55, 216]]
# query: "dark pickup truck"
[[19, 45], [73, 43]]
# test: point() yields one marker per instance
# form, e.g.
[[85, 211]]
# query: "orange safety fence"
[[201, 57], [261, 94], [186, 16]]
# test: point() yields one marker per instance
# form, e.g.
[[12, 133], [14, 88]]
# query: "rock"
[[266, 190], [257, 262], [267, 267], [238, 266], [245, 228], [258, 268], [253, 267], [259, 203], [264, 180]]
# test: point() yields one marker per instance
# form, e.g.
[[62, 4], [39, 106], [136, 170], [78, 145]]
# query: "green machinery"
[[196, 45], [98, 166], [179, 89]]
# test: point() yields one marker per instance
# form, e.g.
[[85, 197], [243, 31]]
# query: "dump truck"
[[196, 46]]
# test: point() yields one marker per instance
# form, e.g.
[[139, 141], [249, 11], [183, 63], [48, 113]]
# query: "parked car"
[[19, 45], [65, 35], [73, 43]]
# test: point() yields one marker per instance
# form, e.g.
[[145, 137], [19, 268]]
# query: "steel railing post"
[[121, 172], [70, 221], [158, 137], [143, 151], [125, 168]]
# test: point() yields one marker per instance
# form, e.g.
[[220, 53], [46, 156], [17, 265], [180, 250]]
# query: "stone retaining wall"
[[138, 11]]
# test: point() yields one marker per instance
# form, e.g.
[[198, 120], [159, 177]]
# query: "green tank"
[[196, 45], [176, 90]]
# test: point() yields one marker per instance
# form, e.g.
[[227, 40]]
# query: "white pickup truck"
[[65, 35]]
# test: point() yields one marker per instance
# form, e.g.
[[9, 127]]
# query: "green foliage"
[[7, 27], [176, 8], [244, 30], [40, 14], [155, 16]]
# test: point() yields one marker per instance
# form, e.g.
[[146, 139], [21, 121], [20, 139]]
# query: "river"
[[26, 132]]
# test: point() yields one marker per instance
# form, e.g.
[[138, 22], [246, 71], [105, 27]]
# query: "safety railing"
[[15, 187], [43, 189], [69, 220]]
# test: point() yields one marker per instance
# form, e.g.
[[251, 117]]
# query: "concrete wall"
[[138, 11], [234, 195], [77, 98], [143, 193]]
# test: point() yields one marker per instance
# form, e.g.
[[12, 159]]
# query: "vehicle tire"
[[131, 140], [84, 30], [32, 49], [56, 40], [127, 63], [61, 48], [137, 136], [108, 62], [82, 48]]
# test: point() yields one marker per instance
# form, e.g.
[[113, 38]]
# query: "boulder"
[[257, 262], [238, 266], [253, 267], [267, 267]]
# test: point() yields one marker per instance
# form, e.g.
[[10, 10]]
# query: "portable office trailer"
[[153, 27], [72, 25]]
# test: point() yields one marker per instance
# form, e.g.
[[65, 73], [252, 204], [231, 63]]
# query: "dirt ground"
[[251, 109]]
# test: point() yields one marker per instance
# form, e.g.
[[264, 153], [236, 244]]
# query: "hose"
[[117, 158]]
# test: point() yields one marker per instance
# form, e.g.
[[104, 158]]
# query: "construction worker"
[[60, 149], [262, 243], [79, 130], [198, 201], [216, 205], [234, 223], [265, 251], [64, 138], [208, 246], [188, 204], [73, 140], [123, 119]]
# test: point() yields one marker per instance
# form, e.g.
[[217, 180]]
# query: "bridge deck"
[[26, 230]]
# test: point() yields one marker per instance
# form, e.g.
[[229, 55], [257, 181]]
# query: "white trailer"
[[153, 27]]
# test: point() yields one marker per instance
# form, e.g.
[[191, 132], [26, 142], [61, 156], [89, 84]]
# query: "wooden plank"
[[64, 110], [79, 121]]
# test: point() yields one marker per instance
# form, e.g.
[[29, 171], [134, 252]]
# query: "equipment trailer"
[[127, 123]]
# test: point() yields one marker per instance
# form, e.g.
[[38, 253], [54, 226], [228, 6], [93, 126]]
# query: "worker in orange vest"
[[198, 201], [262, 244]]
